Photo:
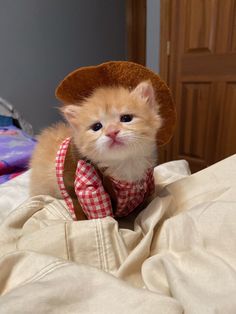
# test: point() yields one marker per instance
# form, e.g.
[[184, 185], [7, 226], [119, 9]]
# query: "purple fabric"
[[15, 151]]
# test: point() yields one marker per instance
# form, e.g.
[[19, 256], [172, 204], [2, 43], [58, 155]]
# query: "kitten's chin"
[[123, 147], [122, 151], [114, 152]]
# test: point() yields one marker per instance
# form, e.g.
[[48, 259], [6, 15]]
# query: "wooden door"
[[202, 76]]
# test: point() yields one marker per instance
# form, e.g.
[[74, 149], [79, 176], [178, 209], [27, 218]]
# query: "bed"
[[178, 256], [16, 142]]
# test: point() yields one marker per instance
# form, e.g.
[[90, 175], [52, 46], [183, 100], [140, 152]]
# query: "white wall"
[[41, 41], [153, 35]]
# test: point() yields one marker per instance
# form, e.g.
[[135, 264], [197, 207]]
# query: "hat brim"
[[80, 84]]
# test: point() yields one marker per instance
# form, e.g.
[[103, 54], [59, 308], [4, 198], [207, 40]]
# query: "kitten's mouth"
[[115, 143]]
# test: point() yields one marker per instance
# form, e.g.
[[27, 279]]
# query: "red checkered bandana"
[[93, 198]]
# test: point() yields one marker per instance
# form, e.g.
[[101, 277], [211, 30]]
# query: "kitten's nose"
[[112, 133]]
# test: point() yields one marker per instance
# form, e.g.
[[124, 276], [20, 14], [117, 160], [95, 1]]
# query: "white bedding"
[[180, 257]]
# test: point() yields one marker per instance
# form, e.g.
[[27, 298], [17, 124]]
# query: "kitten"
[[114, 128]]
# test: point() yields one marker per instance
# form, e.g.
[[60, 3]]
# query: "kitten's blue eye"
[[96, 126], [126, 118]]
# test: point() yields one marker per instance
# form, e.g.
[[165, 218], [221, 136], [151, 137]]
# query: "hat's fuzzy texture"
[[82, 82]]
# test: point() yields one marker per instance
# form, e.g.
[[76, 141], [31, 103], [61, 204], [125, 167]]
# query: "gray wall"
[[41, 41], [153, 35]]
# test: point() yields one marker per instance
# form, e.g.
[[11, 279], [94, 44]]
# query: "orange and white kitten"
[[114, 128]]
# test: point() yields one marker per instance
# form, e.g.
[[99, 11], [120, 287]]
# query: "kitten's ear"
[[70, 112], [145, 91]]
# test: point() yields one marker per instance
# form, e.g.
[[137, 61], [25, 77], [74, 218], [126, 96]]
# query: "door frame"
[[165, 39], [164, 61], [136, 30], [167, 60]]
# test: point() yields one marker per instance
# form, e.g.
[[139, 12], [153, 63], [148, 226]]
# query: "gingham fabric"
[[130, 195], [93, 198]]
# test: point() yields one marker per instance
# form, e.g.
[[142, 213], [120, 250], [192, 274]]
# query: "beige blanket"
[[180, 257]]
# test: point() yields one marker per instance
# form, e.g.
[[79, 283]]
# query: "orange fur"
[[43, 175], [128, 161]]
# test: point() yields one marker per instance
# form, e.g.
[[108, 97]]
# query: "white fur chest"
[[131, 169]]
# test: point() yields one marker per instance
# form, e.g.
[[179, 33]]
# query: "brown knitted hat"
[[81, 83]]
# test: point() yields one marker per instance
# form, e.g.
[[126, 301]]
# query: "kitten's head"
[[115, 123]]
